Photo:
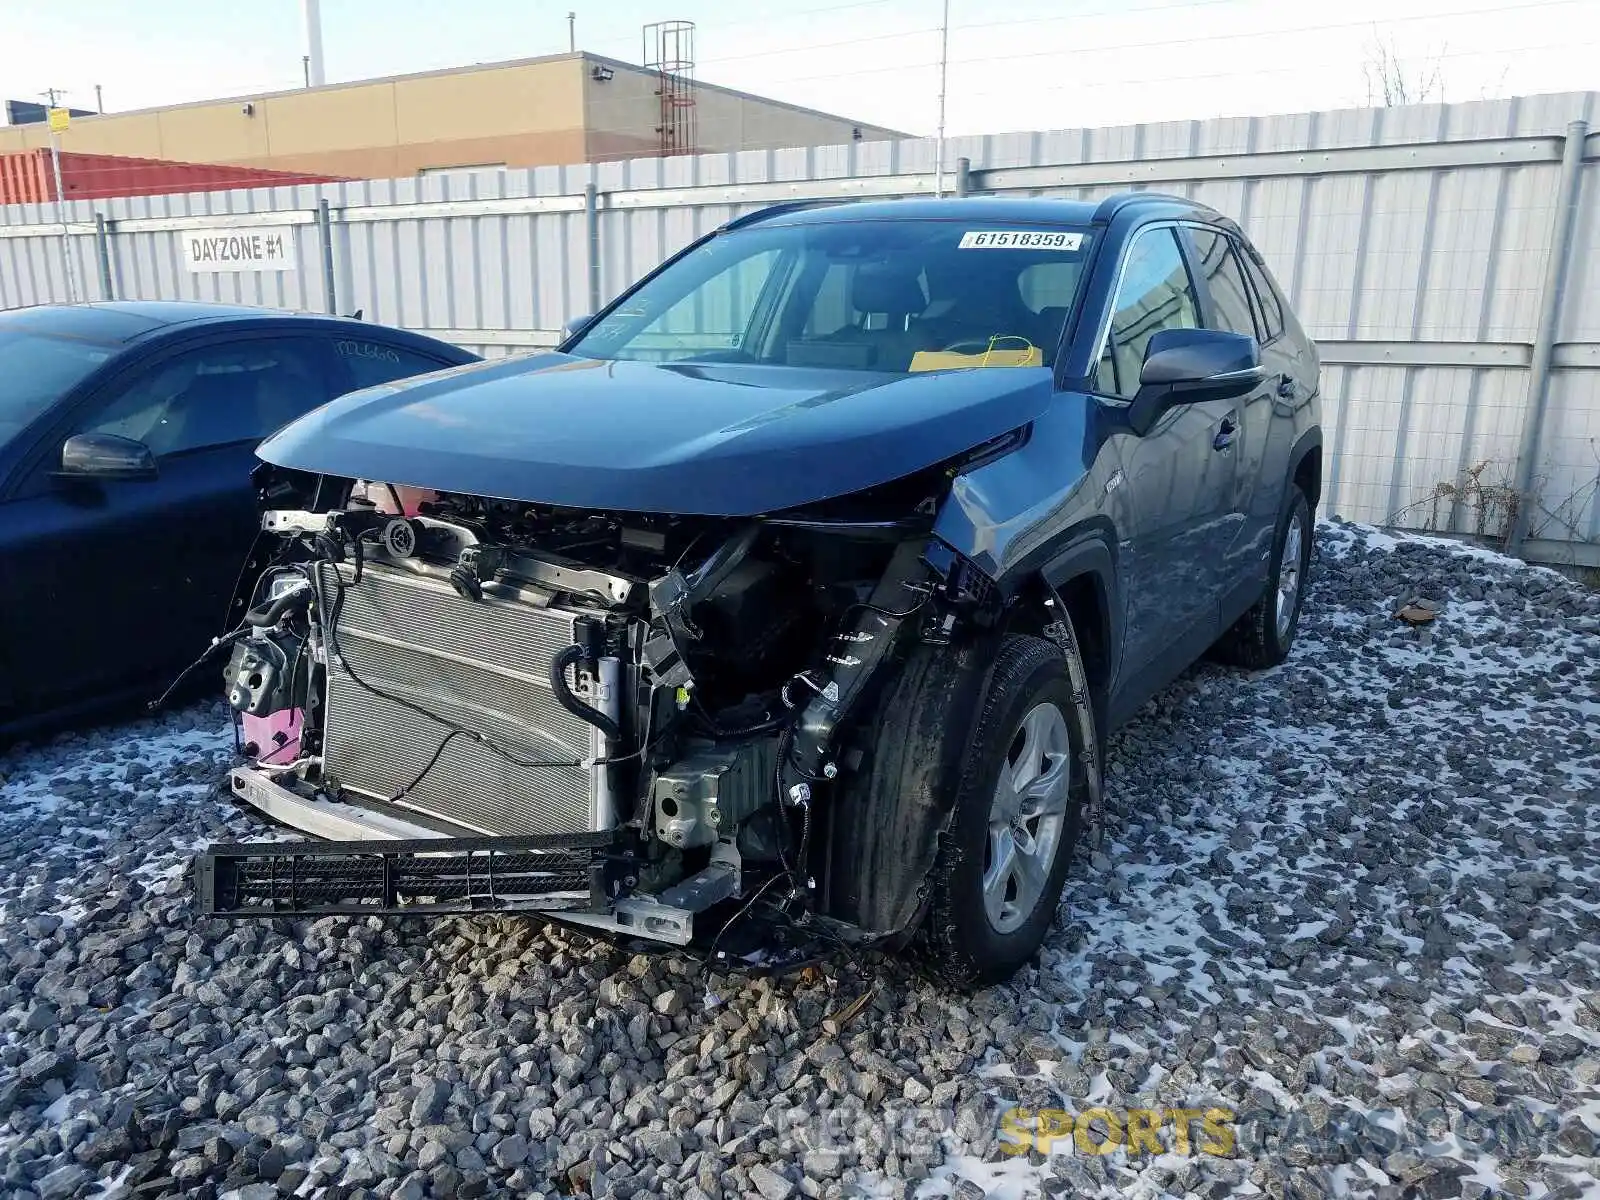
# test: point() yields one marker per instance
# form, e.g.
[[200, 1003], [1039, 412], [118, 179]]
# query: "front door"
[[1178, 477]]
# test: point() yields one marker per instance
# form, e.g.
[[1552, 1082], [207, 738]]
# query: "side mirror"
[[105, 457], [576, 326], [1186, 366]]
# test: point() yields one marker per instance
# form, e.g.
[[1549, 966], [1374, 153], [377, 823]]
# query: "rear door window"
[[1218, 263]]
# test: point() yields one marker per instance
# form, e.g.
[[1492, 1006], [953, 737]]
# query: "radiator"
[[480, 665]]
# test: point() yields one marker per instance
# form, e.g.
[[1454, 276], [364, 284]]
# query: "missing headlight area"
[[650, 725]]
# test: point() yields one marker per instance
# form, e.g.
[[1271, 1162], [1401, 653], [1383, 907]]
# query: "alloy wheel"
[[1289, 575], [1026, 817]]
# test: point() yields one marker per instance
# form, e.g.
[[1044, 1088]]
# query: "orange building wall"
[[535, 112]]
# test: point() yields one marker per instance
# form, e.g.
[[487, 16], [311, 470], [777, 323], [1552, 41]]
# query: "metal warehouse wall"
[[1415, 244]]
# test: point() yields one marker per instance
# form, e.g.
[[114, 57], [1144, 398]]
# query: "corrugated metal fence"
[[1445, 257]]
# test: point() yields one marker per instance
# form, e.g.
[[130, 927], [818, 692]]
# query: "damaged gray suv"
[[785, 606]]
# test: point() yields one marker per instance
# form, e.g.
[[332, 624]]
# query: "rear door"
[[1227, 303], [1179, 476], [128, 581], [1288, 355], [1290, 362]]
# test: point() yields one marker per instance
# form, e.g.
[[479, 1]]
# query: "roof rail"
[[777, 210], [1112, 205]]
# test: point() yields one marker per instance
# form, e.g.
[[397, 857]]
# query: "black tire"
[[959, 942], [942, 733], [1259, 639], [910, 856]]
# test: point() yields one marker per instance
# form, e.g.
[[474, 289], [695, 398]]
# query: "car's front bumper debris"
[[431, 876]]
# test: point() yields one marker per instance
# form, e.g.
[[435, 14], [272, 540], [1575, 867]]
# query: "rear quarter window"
[[1269, 303]]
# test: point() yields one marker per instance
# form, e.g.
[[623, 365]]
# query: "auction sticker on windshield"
[[1020, 239]]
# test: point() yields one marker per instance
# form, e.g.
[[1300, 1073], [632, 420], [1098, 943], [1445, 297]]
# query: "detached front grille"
[[551, 873], [483, 666]]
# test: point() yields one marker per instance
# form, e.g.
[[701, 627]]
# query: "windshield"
[[35, 371], [862, 295]]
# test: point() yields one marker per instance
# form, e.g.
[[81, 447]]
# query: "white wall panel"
[[1372, 256]]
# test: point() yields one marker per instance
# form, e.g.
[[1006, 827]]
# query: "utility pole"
[[312, 11], [572, 32], [54, 95], [99, 103], [944, 71]]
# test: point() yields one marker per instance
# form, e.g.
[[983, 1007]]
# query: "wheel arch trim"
[[1091, 554], [1308, 441]]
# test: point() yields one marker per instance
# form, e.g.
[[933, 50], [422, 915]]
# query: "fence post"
[[963, 176], [591, 221], [102, 249], [1544, 338], [330, 295]]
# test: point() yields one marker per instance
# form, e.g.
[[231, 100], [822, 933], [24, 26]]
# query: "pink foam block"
[[275, 736]]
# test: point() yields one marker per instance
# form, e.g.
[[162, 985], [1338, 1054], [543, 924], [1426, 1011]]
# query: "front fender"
[[1008, 515]]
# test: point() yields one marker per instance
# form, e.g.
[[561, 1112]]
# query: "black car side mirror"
[[576, 326], [1186, 366], [105, 457]]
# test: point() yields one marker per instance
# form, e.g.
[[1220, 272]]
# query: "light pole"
[[57, 119]]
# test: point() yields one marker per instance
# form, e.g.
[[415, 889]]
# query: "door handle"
[[1225, 432], [1287, 388]]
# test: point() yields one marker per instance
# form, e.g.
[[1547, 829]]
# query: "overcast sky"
[[1025, 64]]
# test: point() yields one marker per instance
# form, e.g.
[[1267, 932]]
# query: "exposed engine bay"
[[638, 723]]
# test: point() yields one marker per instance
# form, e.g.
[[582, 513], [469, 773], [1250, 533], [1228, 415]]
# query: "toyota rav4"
[[785, 606]]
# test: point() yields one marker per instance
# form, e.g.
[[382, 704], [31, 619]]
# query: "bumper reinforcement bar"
[[430, 876]]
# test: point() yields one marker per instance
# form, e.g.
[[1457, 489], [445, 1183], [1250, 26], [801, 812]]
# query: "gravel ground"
[[1354, 902]]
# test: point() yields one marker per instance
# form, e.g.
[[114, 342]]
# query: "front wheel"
[[1018, 809]]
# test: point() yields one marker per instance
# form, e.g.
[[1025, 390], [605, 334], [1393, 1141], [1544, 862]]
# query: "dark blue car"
[[127, 438], [785, 607]]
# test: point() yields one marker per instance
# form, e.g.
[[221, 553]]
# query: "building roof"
[[700, 84], [578, 55]]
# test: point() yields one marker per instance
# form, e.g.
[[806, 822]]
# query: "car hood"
[[712, 440]]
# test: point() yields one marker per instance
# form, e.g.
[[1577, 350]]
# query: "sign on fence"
[[238, 250]]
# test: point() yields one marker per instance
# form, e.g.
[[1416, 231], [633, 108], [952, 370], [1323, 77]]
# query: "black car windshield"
[[36, 370], [896, 296]]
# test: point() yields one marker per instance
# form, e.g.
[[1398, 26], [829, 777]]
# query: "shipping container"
[[26, 177]]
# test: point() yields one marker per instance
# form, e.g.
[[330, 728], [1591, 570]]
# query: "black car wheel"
[[1264, 636], [963, 819], [1013, 784]]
